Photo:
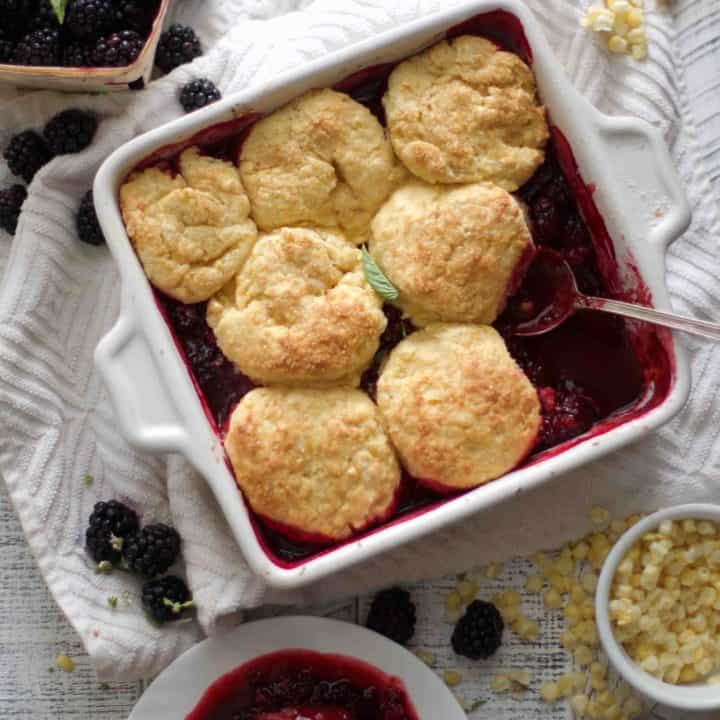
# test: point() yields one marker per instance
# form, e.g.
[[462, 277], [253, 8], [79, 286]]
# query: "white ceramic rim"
[[144, 373], [177, 690], [683, 697]]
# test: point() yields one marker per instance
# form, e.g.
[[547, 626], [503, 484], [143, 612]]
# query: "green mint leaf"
[[377, 278], [88, 480], [59, 6], [112, 602]]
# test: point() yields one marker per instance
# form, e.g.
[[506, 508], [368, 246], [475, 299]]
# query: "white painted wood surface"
[[33, 631]]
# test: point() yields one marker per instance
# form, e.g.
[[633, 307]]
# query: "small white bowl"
[[684, 697]]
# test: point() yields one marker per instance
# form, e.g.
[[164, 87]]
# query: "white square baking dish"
[[636, 191], [89, 79]]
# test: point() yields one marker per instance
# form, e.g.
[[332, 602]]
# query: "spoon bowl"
[[549, 295]]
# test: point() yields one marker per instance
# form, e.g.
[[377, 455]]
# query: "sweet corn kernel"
[[583, 655], [452, 678], [552, 599], [493, 570], [599, 516], [520, 677], [501, 683], [454, 601], [534, 583], [565, 686], [64, 663], [467, 589], [579, 704], [549, 692], [580, 551], [425, 656], [617, 44]]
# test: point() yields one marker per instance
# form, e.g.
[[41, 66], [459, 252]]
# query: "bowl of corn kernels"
[[658, 606]]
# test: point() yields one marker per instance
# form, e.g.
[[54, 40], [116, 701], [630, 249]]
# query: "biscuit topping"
[[191, 230], [322, 161], [465, 111]]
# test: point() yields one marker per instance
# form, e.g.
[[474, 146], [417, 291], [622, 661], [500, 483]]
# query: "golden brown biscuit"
[[300, 312], [316, 464], [458, 408], [452, 252], [323, 161], [465, 111], [191, 231]]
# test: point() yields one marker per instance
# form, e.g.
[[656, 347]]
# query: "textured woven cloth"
[[58, 298]]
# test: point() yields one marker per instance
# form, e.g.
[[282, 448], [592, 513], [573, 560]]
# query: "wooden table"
[[33, 631]]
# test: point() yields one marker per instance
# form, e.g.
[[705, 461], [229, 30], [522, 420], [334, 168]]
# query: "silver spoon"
[[549, 295]]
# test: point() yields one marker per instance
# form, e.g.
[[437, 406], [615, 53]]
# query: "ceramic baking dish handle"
[[646, 185], [138, 391]]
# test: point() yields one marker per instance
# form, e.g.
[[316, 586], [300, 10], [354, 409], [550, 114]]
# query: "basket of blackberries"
[[89, 45]]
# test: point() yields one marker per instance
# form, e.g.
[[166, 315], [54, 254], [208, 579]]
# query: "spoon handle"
[[640, 312]]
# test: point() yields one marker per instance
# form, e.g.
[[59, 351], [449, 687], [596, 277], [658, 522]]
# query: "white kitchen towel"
[[59, 297]]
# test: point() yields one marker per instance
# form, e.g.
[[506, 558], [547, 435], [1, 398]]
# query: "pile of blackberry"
[[114, 538], [93, 33], [70, 131]]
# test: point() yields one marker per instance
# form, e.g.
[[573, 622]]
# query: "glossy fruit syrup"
[[592, 373], [305, 685]]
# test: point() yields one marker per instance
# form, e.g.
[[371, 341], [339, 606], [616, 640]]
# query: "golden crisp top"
[[465, 111], [458, 408], [300, 311], [323, 161], [315, 461], [451, 251], [191, 231]]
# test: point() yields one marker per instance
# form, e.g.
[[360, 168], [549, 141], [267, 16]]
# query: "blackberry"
[[88, 18], [117, 50], [392, 614], [134, 15], [110, 524], [7, 46], [153, 550], [198, 93], [11, 200], [166, 598], [70, 131], [478, 633], [178, 45], [44, 17], [75, 54], [16, 13], [26, 154], [86, 222], [39, 48]]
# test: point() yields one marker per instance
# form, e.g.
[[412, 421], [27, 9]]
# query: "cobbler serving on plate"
[[344, 404]]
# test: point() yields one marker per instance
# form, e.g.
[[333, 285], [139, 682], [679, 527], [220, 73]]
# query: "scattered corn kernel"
[[534, 583], [454, 601], [552, 599], [549, 692], [599, 516], [426, 656], [501, 683], [617, 44], [579, 704], [467, 589], [452, 678], [520, 677], [493, 570], [65, 663]]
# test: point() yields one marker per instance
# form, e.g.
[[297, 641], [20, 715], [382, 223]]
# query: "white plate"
[[179, 688]]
